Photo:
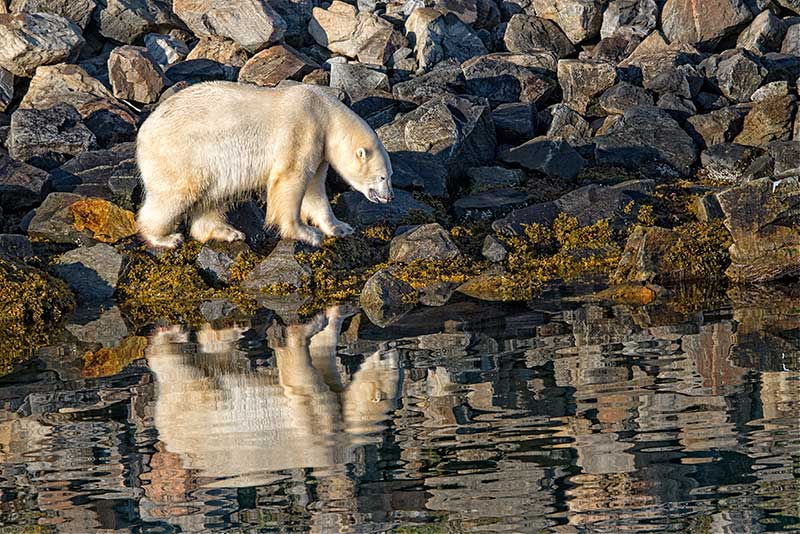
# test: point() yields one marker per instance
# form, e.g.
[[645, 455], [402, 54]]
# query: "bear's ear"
[[361, 153]]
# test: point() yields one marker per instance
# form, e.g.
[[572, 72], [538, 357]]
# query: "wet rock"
[[768, 120], [15, 246], [739, 76], [786, 155], [46, 138], [489, 204], [719, 126], [554, 157], [217, 309], [279, 271], [727, 161], [643, 257], [200, 70], [629, 17], [253, 24], [106, 221], [763, 35], [582, 81], [680, 21], [436, 37], [579, 19], [135, 75], [762, 218], [488, 178], [357, 81], [248, 217], [6, 90], [791, 41], [364, 36], [358, 211], [220, 50], [647, 138], [515, 120], [529, 34], [458, 131], [91, 272], [493, 249], [126, 21], [506, 78], [623, 96], [216, 259], [429, 241], [108, 329], [437, 293], [275, 64], [385, 298], [20, 184], [770, 90], [445, 78], [78, 11], [165, 49], [568, 125], [28, 41]]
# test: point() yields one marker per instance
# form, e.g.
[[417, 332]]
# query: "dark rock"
[[647, 138], [489, 204], [165, 49], [28, 41], [47, 138], [514, 121], [553, 157], [528, 34], [678, 107], [768, 120], [488, 178], [643, 259], [91, 272], [707, 208], [20, 184], [359, 211], [248, 217], [711, 102], [763, 35], [786, 155], [444, 78], [629, 17], [681, 80], [357, 81], [611, 50], [720, 126], [426, 242], [493, 249], [437, 293], [135, 75], [108, 329], [275, 64], [379, 107], [6, 90], [218, 309], [219, 50], [280, 269], [739, 76], [569, 125], [297, 15], [727, 161], [579, 19], [623, 96], [216, 260], [385, 299], [436, 37], [762, 218], [253, 24], [126, 21], [760, 167], [680, 20], [53, 221], [78, 11], [781, 66], [15, 246], [505, 78], [200, 70], [791, 41], [582, 81]]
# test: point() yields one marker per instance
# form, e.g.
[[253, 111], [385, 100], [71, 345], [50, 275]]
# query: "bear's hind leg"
[[157, 219], [284, 198], [317, 209], [209, 223]]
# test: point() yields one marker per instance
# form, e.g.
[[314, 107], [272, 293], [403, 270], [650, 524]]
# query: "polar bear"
[[216, 142]]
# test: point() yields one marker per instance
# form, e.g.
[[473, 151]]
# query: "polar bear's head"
[[364, 164]]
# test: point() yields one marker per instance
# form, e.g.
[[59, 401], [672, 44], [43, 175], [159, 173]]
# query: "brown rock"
[[582, 81], [768, 120], [30, 41], [275, 64], [703, 23], [253, 24], [644, 253], [579, 19], [78, 11], [220, 50], [134, 74], [108, 222]]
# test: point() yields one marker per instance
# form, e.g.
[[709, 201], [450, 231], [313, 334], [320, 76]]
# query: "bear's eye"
[[382, 179]]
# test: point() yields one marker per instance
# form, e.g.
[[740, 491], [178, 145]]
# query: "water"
[[560, 417]]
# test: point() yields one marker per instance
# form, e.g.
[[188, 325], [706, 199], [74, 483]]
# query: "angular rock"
[[165, 49], [106, 221], [526, 34], [220, 50], [200, 70], [6, 89], [768, 120], [419, 171], [647, 138], [710, 101], [28, 41], [719, 126], [218, 309], [91, 272], [253, 24], [678, 107], [109, 329], [582, 81], [579, 19], [378, 107], [781, 66], [786, 155], [611, 50], [78, 11], [53, 221], [629, 17], [296, 14], [763, 35], [568, 125], [49, 137], [707, 208], [20, 184], [358, 211], [554, 157], [727, 161], [644, 254], [126, 21], [385, 298], [275, 64], [488, 178], [770, 90], [489, 204], [493, 249], [357, 81], [364, 36], [686, 21], [739, 76], [791, 41], [624, 96], [426, 242], [216, 260], [280, 270], [135, 75], [681, 80], [445, 78], [507, 78], [16, 247], [762, 218], [436, 37], [514, 121]]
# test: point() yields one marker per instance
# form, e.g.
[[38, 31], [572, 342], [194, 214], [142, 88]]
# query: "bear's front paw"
[[341, 229]]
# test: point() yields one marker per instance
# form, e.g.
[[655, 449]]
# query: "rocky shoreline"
[[535, 143]]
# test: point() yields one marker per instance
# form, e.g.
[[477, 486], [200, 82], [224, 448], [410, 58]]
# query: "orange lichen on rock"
[[107, 362], [106, 220]]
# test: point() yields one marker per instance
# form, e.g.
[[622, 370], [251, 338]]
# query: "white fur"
[[216, 142]]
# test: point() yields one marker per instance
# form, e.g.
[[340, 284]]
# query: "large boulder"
[[28, 41], [20, 184], [554, 157], [739, 75], [354, 208], [436, 37], [91, 272], [253, 24], [791, 41], [763, 35], [687, 21], [358, 81], [135, 75], [53, 221], [514, 121], [579, 19], [582, 81], [718, 126], [728, 161], [623, 96], [277, 63], [220, 50], [762, 218], [507, 78], [529, 34], [280, 271], [447, 77], [127, 21], [78, 11], [385, 298], [645, 254], [569, 125], [296, 14], [768, 120], [629, 17], [426, 242]]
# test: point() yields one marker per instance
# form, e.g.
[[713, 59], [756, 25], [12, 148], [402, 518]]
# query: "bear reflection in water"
[[239, 426]]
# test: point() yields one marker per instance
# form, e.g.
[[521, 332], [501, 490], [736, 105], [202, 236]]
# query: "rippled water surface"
[[558, 416]]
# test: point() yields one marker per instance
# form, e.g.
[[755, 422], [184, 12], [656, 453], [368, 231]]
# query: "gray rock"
[[28, 41], [385, 298], [727, 161], [493, 249], [444, 78], [280, 268], [489, 204], [296, 14], [515, 120], [437, 293], [719, 126], [770, 90], [436, 37], [359, 211], [781, 66], [47, 138], [579, 19], [488, 178], [91, 272], [253, 24], [426, 242], [678, 107], [634, 17], [135, 75], [165, 49], [378, 108], [220, 50], [553, 157], [760, 167], [275, 64], [786, 155], [15, 246], [53, 221], [109, 329], [791, 41], [126, 21], [216, 260], [707, 208], [6, 89], [419, 171], [679, 21], [681, 80], [505, 78], [739, 76], [568, 125], [768, 120], [78, 11], [200, 70], [623, 96], [763, 35], [711, 101], [529, 34], [647, 138], [217, 309], [582, 81], [612, 49], [20, 184], [357, 80]]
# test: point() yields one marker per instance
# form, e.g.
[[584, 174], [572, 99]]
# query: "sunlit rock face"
[[241, 426]]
